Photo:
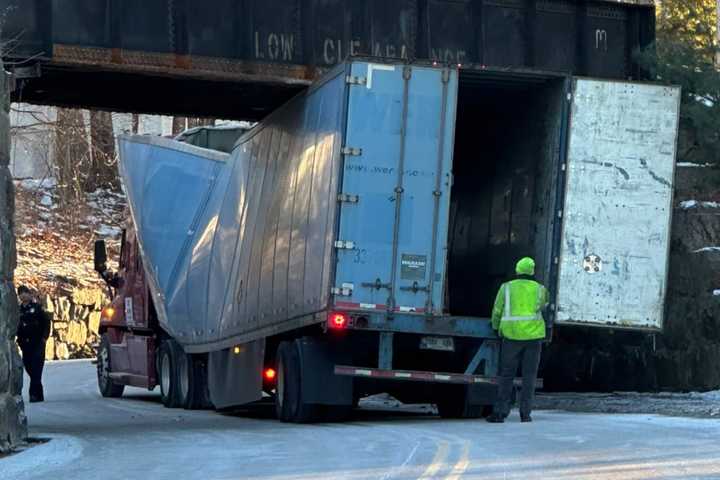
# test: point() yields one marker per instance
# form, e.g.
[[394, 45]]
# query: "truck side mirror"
[[100, 256]]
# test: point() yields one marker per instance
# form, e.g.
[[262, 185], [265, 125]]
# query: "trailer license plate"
[[446, 344]]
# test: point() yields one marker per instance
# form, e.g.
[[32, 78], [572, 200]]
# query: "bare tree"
[[179, 124], [102, 171], [717, 32], [72, 154]]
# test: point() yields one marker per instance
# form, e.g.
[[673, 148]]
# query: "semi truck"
[[353, 241]]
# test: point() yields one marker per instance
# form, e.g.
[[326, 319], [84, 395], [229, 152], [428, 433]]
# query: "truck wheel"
[[108, 388], [184, 378], [454, 404], [192, 382], [167, 371], [288, 400]]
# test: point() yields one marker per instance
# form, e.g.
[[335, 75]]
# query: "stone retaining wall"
[[13, 424], [75, 323]]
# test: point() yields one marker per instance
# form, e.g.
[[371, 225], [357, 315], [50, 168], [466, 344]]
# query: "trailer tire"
[[289, 406], [184, 378], [108, 388], [167, 363], [198, 396]]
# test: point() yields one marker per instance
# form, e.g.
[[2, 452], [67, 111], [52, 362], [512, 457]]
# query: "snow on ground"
[[707, 249], [694, 404], [695, 165], [55, 242], [135, 437], [687, 204], [108, 231]]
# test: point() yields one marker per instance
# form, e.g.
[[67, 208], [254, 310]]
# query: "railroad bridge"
[[242, 58]]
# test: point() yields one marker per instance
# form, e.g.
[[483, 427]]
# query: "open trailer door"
[[618, 204]]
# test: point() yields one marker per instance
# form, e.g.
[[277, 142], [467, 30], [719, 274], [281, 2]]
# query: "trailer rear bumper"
[[419, 376], [422, 324]]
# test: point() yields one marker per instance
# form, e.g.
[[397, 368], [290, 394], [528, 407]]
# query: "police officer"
[[33, 332], [517, 316]]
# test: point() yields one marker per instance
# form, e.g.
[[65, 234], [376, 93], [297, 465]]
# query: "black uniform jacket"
[[34, 326]]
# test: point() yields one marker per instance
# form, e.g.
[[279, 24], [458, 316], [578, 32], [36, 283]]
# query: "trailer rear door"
[[395, 188], [618, 204]]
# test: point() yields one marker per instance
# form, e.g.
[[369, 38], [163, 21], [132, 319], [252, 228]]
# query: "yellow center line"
[[462, 464], [438, 461]]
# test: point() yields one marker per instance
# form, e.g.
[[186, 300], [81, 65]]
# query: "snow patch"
[[707, 249], [108, 231], [43, 459], [704, 101], [695, 204], [694, 165], [36, 183]]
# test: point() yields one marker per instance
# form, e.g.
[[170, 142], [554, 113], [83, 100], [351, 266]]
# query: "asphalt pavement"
[[135, 437]]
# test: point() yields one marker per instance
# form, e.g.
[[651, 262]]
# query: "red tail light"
[[338, 320], [270, 374]]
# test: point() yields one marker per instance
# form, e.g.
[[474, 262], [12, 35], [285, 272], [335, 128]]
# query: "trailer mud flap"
[[235, 374], [320, 385]]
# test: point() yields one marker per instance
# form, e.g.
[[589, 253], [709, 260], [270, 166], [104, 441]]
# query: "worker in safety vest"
[[517, 317]]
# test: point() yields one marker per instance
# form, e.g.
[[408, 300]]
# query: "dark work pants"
[[33, 355], [527, 355]]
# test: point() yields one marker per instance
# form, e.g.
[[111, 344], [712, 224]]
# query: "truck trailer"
[[353, 241]]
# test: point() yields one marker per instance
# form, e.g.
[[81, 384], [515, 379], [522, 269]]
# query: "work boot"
[[495, 418], [525, 418]]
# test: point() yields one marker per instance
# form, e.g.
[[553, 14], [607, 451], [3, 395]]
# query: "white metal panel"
[[618, 204]]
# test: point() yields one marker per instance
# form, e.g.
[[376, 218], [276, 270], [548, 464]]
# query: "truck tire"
[[289, 406], [192, 382], [454, 403], [167, 361], [108, 388], [184, 378]]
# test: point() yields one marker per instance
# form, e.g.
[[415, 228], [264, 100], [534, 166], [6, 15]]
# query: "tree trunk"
[[178, 125], [135, 123], [717, 32], [13, 426], [72, 155], [103, 169]]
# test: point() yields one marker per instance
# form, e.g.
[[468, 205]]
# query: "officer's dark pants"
[[527, 355], [33, 355]]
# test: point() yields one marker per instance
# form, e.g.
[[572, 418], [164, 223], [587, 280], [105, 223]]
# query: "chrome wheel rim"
[[165, 374]]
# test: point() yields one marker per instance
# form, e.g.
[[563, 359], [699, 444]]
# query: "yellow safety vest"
[[518, 310]]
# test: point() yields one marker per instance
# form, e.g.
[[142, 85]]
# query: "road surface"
[[135, 437]]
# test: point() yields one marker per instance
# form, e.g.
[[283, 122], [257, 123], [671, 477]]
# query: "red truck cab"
[[128, 327]]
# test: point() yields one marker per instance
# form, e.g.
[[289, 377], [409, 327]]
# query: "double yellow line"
[[439, 461]]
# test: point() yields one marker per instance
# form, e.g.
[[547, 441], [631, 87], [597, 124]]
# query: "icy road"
[[135, 437]]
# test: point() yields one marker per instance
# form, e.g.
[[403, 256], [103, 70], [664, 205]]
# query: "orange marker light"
[[109, 312], [270, 374]]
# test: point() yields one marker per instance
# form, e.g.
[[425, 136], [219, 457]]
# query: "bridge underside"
[[241, 97], [240, 59]]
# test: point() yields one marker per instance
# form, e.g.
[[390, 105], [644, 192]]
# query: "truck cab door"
[[620, 165]]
